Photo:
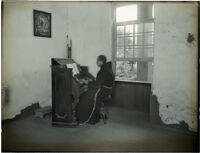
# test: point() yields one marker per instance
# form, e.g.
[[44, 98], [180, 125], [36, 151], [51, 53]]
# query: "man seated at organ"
[[105, 75], [104, 81], [90, 101], [77, 96]]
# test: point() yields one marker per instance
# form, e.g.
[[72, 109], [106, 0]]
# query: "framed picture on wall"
[[42, 23]]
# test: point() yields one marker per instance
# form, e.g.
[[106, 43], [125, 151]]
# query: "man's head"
[[101, 60]]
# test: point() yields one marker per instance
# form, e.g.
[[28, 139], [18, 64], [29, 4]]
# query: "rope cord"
[[93, 109]]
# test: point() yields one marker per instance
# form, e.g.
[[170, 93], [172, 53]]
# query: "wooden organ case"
[[66, 89], [62, 110]]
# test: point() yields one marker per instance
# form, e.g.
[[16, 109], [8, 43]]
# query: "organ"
[[69, 82]]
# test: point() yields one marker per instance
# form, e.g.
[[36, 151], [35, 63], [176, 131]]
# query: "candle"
[[67, 40], [70, 43]]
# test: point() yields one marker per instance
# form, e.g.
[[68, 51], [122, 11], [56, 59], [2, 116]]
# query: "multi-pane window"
[[134, 50]]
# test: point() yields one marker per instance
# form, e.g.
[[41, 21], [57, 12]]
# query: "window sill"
[[136, 82]]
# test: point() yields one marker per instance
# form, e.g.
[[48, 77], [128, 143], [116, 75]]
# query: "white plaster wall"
[[175, 63], [26, 58], [90, 27]]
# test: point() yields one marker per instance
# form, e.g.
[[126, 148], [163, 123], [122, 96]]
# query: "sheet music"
[[74, 68]]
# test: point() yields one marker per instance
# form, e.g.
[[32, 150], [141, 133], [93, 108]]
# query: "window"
[[126, 13], [134, 45]]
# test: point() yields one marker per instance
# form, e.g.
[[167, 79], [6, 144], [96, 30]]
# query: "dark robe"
[[90, 102], [105, 76]]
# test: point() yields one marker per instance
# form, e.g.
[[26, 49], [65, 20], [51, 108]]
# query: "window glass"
[[138, 40], [120, 30], [126, 70], [134, 46], [126, 13], [138, 28], [129, 41], [120, 41], [129, 30], [148, 39], [129, 52], [120, 52], [134, 71], [138, 52]]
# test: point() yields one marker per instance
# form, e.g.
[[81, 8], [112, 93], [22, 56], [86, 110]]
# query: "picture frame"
[[41, 23]]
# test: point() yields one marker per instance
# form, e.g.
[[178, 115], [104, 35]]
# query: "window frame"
[[114, 43]]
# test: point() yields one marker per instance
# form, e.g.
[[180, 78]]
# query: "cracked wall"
[[175, 63], [26, 59]]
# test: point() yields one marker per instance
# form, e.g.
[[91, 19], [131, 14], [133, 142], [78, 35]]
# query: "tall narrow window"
[[134, 43]]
